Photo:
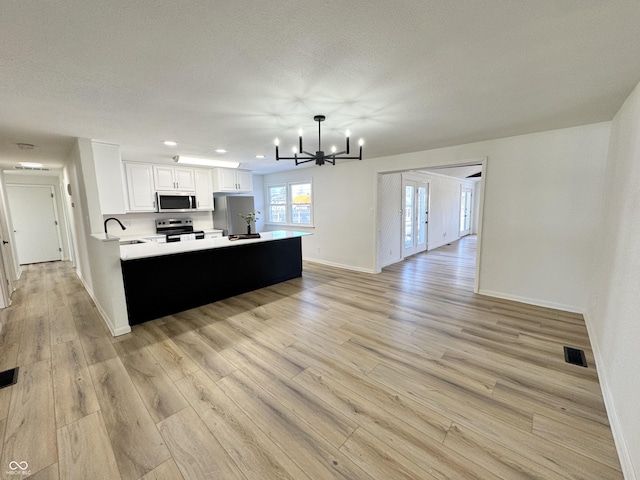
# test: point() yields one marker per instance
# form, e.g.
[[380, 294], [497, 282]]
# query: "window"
[[277, 201], [300, 194], [290, 204]]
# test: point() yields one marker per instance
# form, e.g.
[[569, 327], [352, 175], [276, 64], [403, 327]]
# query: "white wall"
[[389, 224], [475, 216], [613, 313], [541, 193], [343, 213], [540, 215], [107, 284], [79, 217]]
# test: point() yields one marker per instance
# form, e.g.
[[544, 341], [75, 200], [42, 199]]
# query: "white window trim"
[[288, 204]]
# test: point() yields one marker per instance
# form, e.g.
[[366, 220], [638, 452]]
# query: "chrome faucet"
[[113, 218]]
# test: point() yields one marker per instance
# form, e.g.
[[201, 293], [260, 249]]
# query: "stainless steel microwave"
[[175, 202]]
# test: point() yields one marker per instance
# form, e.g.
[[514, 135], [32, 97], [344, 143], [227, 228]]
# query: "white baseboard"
[[339, 265], [533, 301], [105, 318], [616, 426]]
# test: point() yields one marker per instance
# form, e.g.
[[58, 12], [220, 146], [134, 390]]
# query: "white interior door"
[[35, 223], [465, 211], [7, 254]]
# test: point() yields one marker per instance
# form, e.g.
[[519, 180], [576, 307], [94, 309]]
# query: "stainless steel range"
[[178, 229]]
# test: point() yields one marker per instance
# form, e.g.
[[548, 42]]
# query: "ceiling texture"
[[406, 76]]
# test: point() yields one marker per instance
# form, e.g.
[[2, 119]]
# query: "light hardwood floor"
[[336, 375]]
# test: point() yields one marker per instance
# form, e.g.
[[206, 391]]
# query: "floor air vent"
[[8, 377], [575, 356]]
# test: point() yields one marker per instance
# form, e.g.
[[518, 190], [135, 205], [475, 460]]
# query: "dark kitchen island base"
[[163, 285]]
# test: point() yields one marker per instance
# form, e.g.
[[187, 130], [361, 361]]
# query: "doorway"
[[415, 215], [36, 223]]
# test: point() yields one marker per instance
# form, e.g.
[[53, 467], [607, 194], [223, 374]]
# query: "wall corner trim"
[[616, 427]]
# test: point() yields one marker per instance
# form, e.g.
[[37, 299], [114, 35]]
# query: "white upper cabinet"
[[185, 179], [245, 180], [204, 188], [167, 178], [109, 177], [230, 180], [140, 187]]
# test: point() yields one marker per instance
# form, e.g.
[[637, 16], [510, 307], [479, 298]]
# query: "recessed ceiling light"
[[31, 165], [221, 150], [170, 143], [259, 156]]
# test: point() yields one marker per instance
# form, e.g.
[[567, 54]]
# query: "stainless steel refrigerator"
[[226, 214]]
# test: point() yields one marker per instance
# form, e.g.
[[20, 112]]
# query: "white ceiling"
[[407, 75]]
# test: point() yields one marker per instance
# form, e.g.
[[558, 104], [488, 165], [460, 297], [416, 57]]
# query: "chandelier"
[[302, 156]]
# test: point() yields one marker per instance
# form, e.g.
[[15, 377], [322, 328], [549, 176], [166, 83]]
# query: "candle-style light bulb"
[[300, 132], [348, 133], [361, 142], [276, 142], [294, 150], [333, 149]]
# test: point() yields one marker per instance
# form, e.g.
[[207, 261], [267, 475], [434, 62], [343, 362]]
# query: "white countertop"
[[153, 249], [107, 237], [138, 236]]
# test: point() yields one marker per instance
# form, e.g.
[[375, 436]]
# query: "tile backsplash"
[[145, 223]]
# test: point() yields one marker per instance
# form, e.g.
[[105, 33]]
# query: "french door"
[[465, 211], [415, 216]]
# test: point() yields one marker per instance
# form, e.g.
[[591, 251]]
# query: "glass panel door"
[[465, 212], [409, 205]]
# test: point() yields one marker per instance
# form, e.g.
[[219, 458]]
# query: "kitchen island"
[[165, 278]]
